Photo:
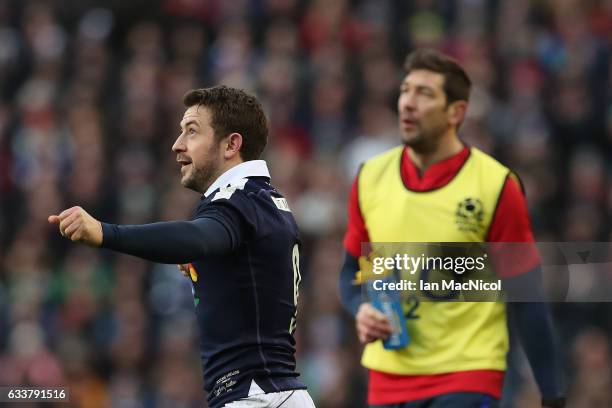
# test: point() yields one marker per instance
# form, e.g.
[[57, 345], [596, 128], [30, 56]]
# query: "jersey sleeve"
[[356, 231], [511, 224], [169, 242]]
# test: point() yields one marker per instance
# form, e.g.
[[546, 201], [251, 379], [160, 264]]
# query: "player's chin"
[[186, 179], [410, 138], [189, 182]]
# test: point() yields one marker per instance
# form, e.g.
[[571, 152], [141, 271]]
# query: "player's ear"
[[232, 145], [456, 112]]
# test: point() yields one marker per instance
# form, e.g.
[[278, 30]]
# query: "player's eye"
[[191, 131], [426, 92]]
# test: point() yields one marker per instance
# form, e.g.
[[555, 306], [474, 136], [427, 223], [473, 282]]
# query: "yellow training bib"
[[444, 336]]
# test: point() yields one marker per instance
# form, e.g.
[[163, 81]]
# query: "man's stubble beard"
[[425, 141], [199, 179]]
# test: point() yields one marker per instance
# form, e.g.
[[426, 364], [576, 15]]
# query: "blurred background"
[[90, 104]]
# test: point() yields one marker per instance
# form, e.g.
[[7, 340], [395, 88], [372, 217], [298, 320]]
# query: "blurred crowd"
[[90, 104]]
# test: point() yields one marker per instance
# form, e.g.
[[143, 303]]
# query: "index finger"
[[67, 212]]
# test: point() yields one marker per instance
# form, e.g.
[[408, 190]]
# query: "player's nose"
[[179, 145], [407, 103]]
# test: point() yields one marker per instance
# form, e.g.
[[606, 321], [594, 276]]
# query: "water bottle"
[[389, 302]]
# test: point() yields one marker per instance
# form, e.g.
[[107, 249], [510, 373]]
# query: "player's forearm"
[[350, 294], [534, 325], [173, 242], [536, 333]]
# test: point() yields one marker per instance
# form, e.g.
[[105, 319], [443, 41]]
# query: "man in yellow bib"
[[436, 189]]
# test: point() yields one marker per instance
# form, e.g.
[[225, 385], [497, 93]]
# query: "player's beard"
[[425, 139], [201, 177]]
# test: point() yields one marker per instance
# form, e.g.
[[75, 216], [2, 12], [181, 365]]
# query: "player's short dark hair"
[[457, 84], [233, 111]]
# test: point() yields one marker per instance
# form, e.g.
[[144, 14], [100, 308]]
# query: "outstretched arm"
[[173, 242]]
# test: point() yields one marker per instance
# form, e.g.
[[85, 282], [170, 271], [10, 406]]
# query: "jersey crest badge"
[[470, 215]]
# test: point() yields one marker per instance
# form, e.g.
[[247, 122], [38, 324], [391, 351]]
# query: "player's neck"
[[449, 146]]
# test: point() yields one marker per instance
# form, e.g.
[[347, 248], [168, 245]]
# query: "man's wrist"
[[108, 235]]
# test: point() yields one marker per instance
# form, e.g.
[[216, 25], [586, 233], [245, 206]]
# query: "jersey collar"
[[251, 168], [436, 176]]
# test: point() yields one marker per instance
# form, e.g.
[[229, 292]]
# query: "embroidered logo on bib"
[[470, 215]]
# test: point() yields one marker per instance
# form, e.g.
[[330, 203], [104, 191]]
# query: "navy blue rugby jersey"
[[246, 301]]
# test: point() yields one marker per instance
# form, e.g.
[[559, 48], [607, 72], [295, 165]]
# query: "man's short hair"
[[233, 111], [457, 84]]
